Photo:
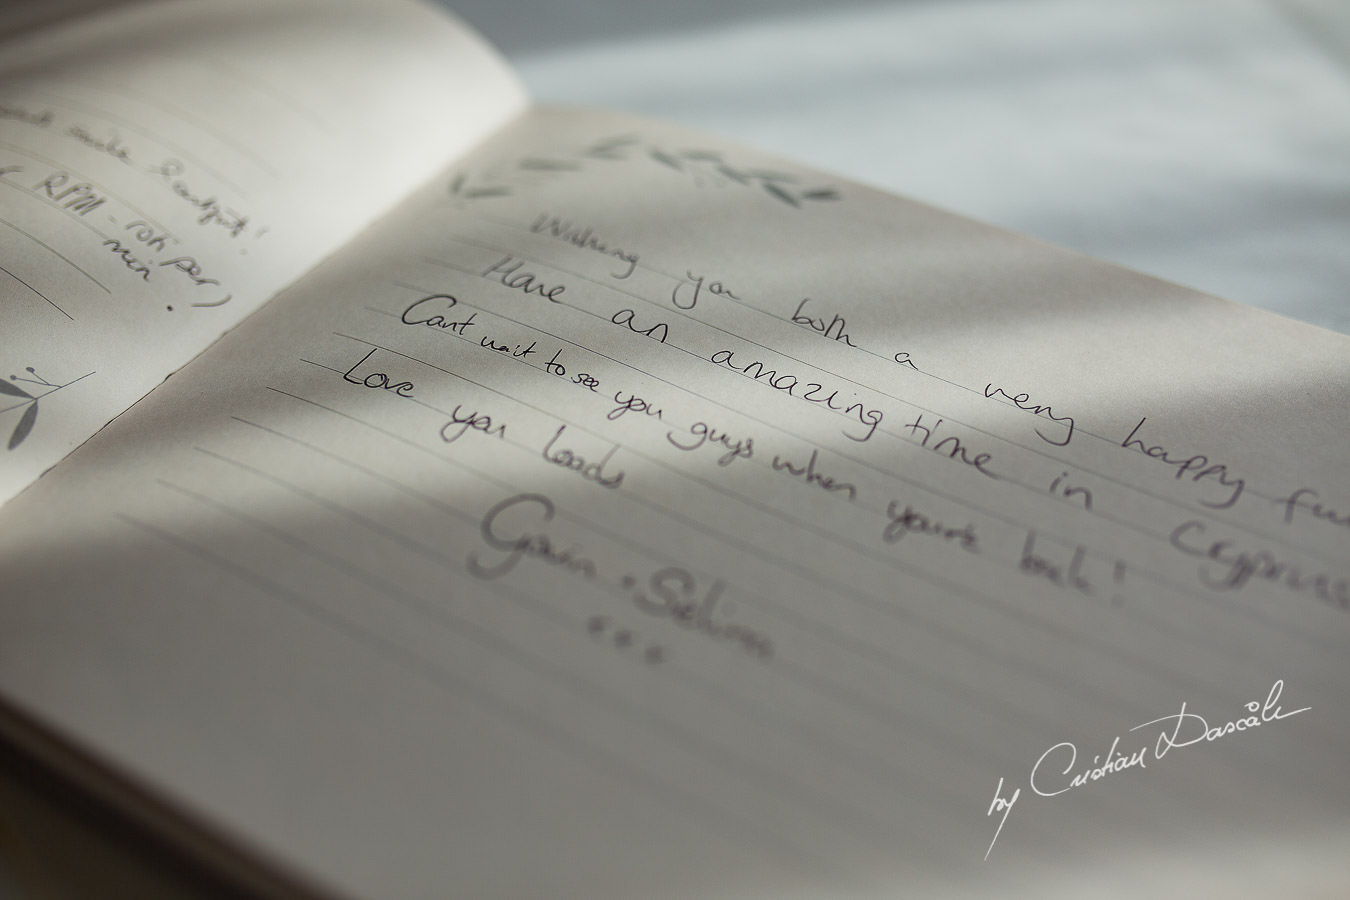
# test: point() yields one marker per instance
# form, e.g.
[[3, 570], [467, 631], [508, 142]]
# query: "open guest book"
[[411, 492]]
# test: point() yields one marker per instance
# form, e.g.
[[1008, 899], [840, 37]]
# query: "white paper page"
[[167, 167], [492, 561]]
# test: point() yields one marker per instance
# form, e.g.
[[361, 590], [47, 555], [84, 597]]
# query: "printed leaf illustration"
[[766, 175], [460, 187], [666, 160], [13, 390], [608, 149], [731, 173], [25, 425], [704, 167], [548, 165], [781, 194]]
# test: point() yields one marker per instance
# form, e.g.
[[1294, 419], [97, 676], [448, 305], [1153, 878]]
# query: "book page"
[[167, 167], [634, 516]]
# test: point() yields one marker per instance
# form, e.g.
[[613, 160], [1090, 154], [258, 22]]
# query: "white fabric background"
[[1203, 141]]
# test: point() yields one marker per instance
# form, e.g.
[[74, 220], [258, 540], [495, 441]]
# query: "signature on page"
[[1059, 771]]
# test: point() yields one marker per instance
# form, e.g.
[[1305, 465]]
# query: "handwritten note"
[[157, 184], [641, 507]]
